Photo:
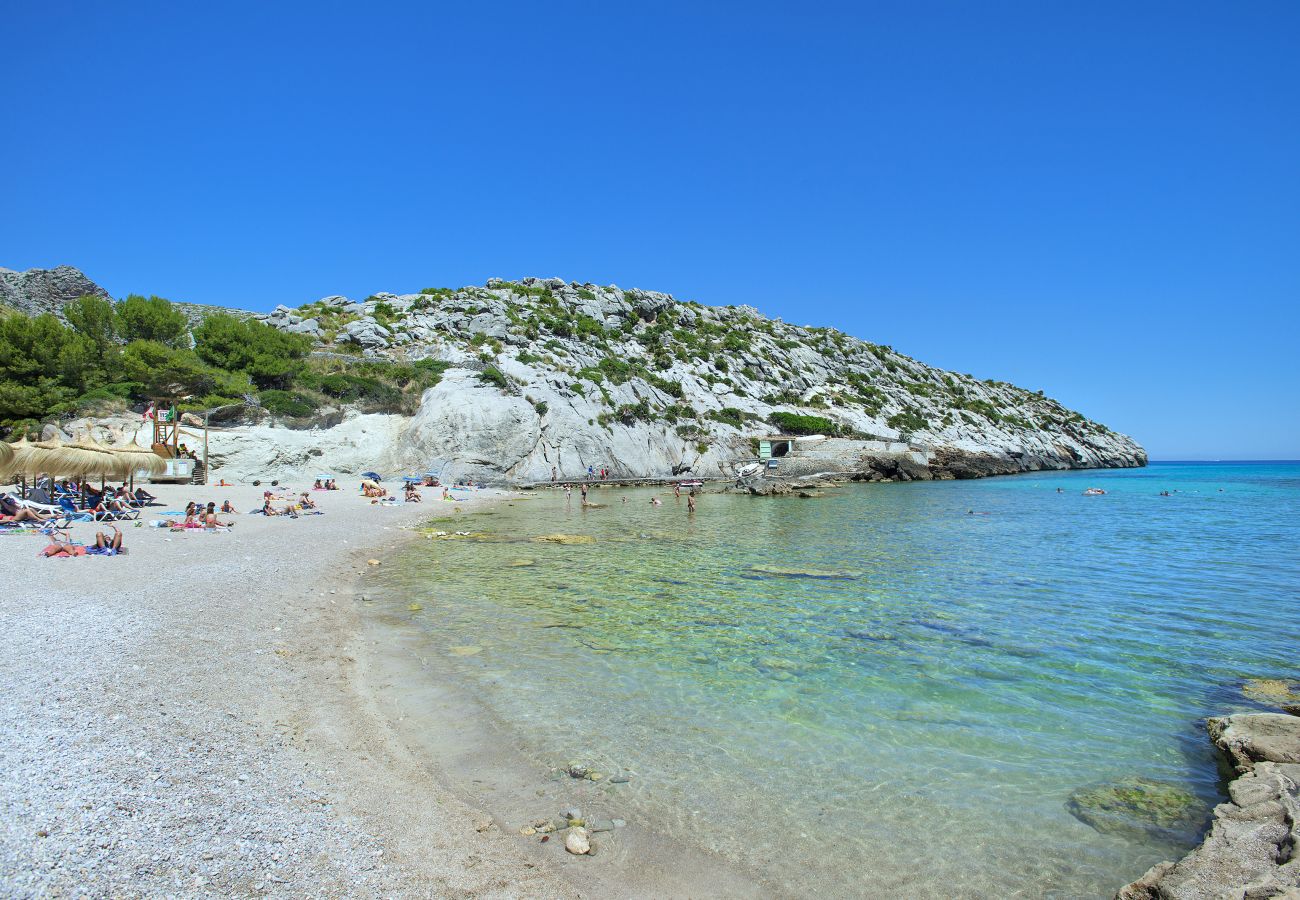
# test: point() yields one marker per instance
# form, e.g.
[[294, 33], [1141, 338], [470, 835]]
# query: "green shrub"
[[286, 403], [270, 357], [795, 423], [729, 415], [908, 421], [494, 376], [151, 319]]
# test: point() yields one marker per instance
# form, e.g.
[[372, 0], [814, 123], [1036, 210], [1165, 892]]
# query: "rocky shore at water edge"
[[1252, 849]]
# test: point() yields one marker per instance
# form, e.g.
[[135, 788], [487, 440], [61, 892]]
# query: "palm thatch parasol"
[[50, 458], [6, 456], [17, 464], [140, 457], [101, 460]]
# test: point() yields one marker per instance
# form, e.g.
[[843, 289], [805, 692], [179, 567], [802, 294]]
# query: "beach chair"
[[110, 515], [68, 513]]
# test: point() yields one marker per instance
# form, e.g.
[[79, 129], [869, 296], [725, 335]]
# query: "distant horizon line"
[[1222, 460]]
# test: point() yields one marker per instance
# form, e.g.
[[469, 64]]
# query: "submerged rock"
[[1137, 807], [564, 539], [576, 842], [785, 572], [1272, 691], [521, 563]]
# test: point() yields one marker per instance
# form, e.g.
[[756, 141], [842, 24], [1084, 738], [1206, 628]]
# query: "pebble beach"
[[183, 720]]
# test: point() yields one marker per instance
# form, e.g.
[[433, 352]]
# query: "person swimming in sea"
[[655, 501]]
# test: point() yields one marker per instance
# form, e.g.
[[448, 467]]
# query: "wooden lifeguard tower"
[[167, 443]]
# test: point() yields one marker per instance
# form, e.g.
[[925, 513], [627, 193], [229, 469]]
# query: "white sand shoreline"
[[153, 738], [206, 716]]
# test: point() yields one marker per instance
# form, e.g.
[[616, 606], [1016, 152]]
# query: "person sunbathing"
[[318, 486], [106, 505], [191, 513], [210, 519], [11, 513], [306, 502], [61, 545], [412, 495], [229, 509], [331, 485], [267, 508], [143, 496], [109, 545]]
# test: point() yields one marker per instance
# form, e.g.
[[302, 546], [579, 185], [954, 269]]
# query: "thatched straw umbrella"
[[6, 456], [100, 460], [140, 458], [53, 458], [21, 448]]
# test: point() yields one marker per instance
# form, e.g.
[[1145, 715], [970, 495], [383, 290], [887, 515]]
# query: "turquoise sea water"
[[890, 690]]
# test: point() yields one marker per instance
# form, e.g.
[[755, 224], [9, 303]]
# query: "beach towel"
[[52, 552]]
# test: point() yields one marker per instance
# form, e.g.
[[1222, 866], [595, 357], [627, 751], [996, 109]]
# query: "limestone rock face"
[[548, 375], [38, 291], [553, 375]]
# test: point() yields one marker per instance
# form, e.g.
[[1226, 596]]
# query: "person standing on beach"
[[553, 474]]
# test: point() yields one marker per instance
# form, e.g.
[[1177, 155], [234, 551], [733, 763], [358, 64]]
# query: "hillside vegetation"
[[104, 357], [515, 379]]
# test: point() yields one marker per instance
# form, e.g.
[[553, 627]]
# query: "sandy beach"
[[180, 720], [205, 715]]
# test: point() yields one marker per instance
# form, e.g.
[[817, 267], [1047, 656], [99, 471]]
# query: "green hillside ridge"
[[605, 357]]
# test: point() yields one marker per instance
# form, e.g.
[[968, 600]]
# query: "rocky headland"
[[543, 376]]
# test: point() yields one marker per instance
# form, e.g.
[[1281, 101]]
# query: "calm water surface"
[[876, 692]]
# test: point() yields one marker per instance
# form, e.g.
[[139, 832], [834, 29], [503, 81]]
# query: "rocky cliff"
[[39, 291], [546, 374]]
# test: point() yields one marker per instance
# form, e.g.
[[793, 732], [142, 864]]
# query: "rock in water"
[[1249, 849], [565, 539], [1137, 807], [576, 842], [1272, 691], [1258, 737]]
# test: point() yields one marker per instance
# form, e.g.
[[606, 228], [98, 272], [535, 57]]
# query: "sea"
[[927, 689]]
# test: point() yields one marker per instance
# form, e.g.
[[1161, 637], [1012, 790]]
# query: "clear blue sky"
[[1101, 200]]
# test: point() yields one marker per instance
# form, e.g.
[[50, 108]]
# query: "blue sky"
[[1099, 200]]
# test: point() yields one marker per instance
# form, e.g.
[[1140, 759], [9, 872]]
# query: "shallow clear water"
[[910, 715]]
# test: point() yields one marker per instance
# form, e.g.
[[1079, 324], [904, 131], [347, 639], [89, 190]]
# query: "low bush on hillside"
[[796, 423]]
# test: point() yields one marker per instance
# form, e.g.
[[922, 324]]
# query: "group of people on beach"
[[593, 474], [325, 484], [654, 501]]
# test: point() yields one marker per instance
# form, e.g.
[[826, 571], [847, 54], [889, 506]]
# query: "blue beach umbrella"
[[412, 478], [373, 476]]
